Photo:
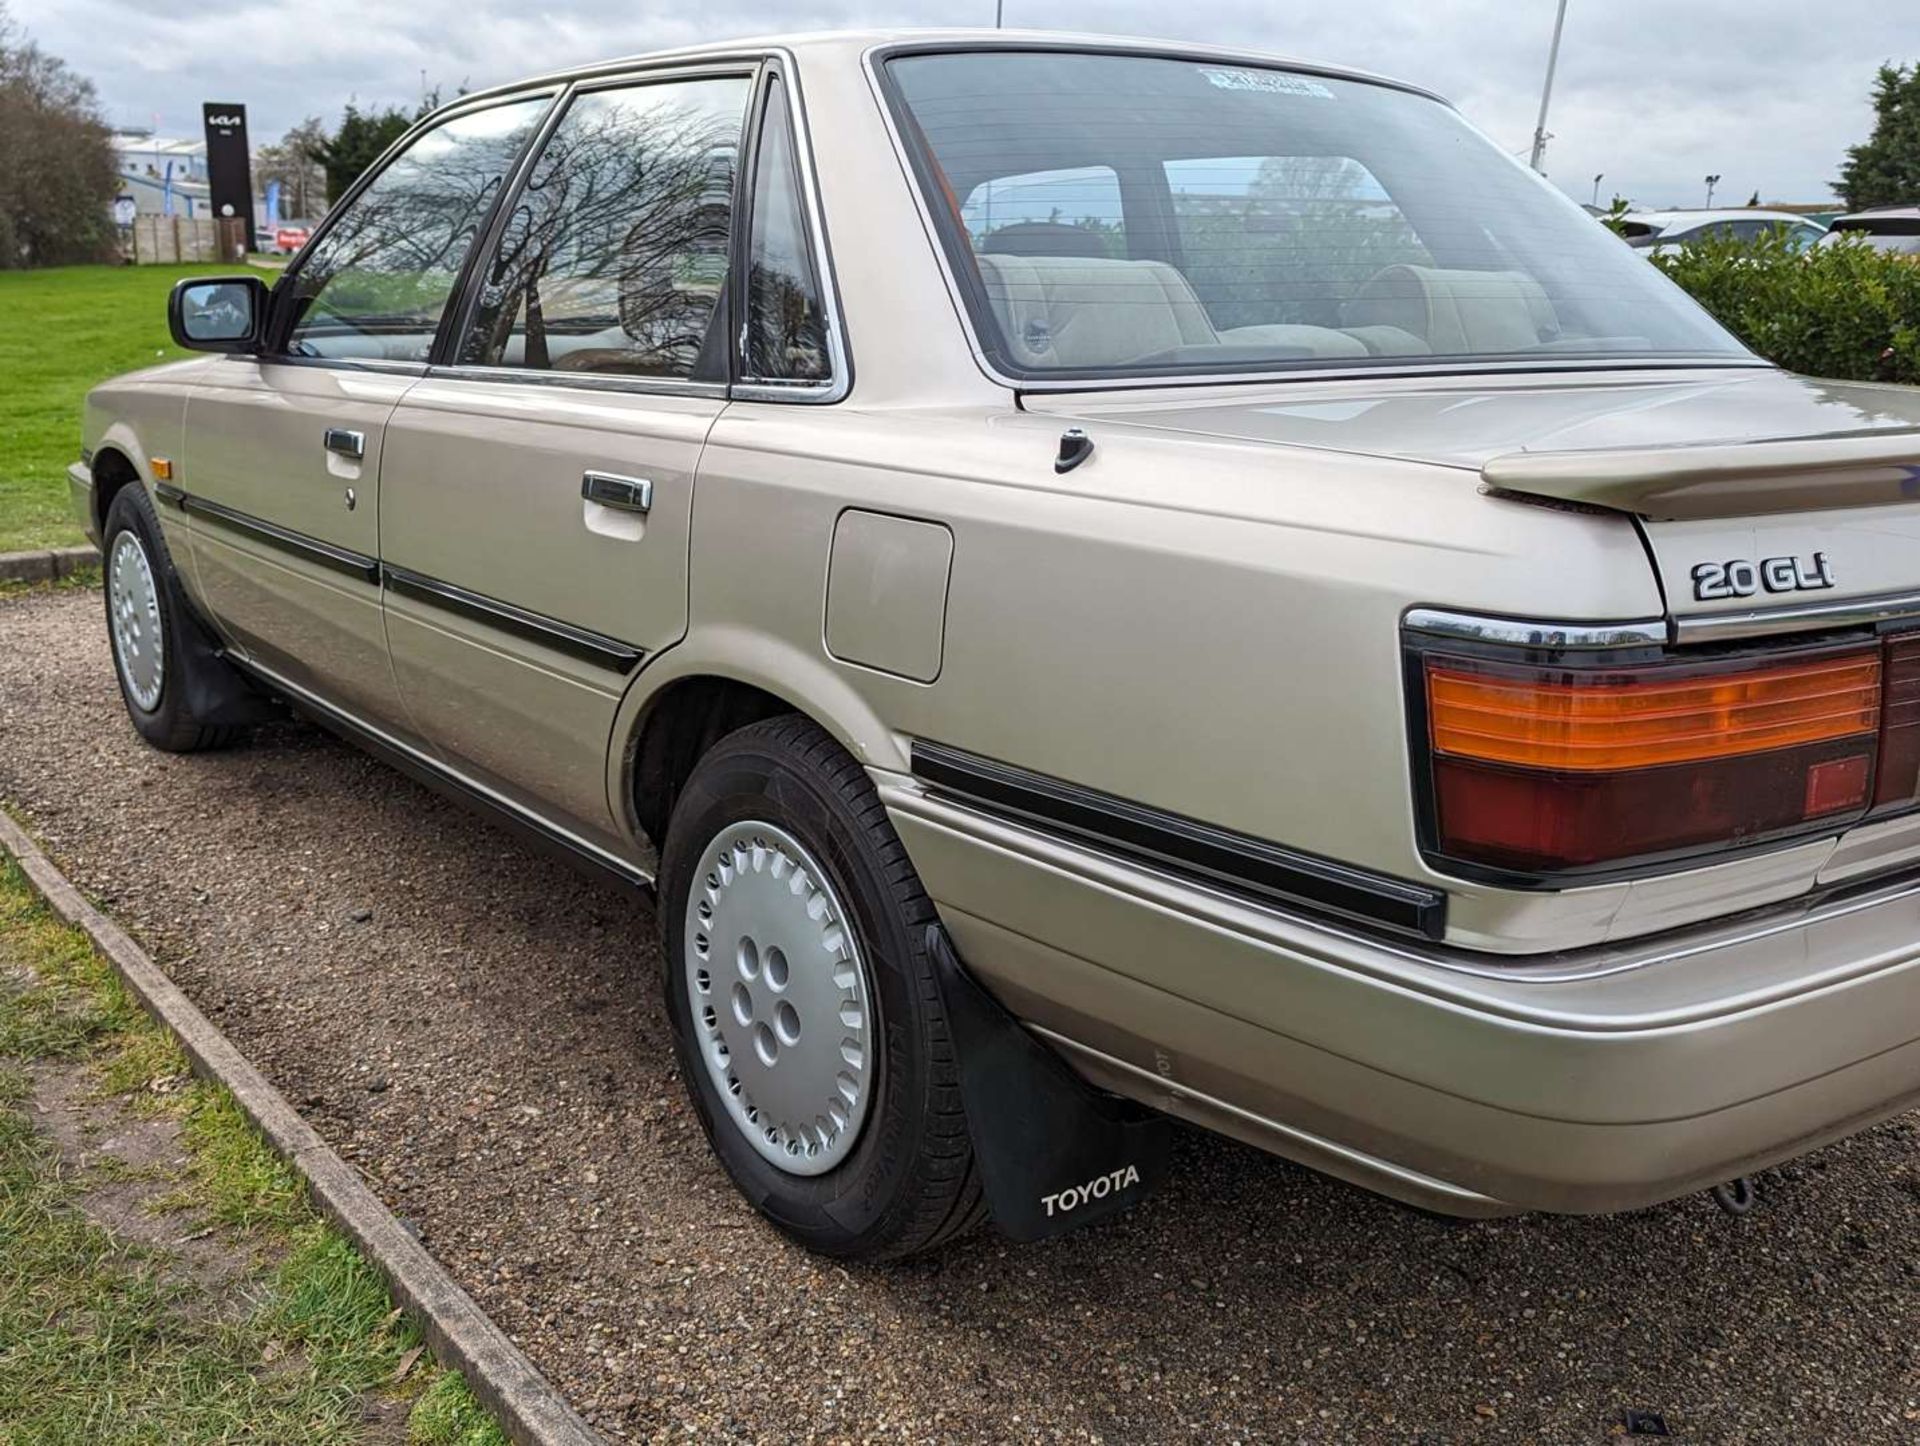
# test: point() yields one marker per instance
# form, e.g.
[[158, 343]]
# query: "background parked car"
[[281, 239], [1659, 231], [1894, 229]]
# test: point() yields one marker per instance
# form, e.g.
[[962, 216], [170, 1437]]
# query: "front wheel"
[[807, 1017], [169, 677]]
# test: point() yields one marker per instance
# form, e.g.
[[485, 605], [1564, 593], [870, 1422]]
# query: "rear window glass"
[[1286, 239], [1125, 214], [1061, 213]]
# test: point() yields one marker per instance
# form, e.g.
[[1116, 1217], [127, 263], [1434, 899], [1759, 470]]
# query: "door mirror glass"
[[217, 314]]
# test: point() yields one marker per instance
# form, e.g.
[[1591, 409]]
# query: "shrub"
[[1843, 310]]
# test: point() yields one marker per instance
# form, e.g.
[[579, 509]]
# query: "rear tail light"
[[1899, 781], [1573, 767]]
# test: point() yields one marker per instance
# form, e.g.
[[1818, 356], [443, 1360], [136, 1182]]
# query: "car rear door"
[[537, 489], [280, 471]]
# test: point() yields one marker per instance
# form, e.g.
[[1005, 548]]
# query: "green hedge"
[[1835, 311]]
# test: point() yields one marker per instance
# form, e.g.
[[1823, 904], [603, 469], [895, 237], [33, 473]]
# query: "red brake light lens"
[[1548, 769], [1899, 781]]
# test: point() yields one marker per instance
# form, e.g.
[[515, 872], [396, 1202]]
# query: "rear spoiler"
[[1724, 479]]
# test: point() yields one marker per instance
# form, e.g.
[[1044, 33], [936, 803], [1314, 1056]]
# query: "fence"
[[173, 239]]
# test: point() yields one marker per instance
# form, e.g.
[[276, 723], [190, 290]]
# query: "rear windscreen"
[[1125, 214]]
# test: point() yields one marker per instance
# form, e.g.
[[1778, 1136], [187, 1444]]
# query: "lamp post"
[[1596, 189], [1546, 90], [999, 13], [1712, 181]]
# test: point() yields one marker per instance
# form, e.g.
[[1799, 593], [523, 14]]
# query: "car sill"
[[544, 832]]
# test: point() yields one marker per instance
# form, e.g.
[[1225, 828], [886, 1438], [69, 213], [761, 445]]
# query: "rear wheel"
[[807, 1018], [160, 658]]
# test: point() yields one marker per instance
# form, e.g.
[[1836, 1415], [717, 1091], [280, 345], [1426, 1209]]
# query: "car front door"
[[279, 477], [537, 491]]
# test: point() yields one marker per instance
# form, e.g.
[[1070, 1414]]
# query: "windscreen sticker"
[[1272, 82]]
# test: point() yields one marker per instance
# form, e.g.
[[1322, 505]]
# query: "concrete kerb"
[[528, 1406], [45, 566]]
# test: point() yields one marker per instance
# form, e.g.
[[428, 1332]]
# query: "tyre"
[[806, 1015], [174, 685]]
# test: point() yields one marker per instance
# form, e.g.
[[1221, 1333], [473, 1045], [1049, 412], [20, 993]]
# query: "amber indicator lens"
[[1605, 721], [1556, 769]]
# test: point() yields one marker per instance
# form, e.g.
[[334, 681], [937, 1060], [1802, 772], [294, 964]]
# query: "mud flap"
[[1054, 1152], [216, 693]]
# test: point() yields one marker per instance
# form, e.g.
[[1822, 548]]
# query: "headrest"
[[1044, 238]]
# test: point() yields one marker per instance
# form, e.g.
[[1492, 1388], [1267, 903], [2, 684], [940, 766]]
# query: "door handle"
[[629, 494], [346, 443]]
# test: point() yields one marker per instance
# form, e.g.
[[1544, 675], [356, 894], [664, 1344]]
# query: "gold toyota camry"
[[1093, 581]]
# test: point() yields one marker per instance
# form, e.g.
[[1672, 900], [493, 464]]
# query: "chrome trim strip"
[[612, 72], [584, 381], [340, 363], [582, 643], [1391, 369], [312, 549], [1526, 633], [1841, 613], [426, 762], [1367, 1164]]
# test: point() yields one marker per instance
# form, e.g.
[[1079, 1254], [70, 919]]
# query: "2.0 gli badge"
[[1743, 577]]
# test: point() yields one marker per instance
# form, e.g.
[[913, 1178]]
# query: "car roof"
[[1884, 213], [1741, 213], [852, 44]]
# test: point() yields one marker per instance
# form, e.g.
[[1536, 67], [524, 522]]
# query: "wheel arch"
[[689, 696], [113, 468]]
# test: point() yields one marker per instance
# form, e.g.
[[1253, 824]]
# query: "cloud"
[[1767, 94]]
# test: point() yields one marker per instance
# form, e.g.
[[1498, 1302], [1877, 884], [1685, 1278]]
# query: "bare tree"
[[58, 175], [294, 161]]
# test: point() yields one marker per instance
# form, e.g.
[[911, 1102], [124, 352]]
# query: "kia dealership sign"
[[229, 169]]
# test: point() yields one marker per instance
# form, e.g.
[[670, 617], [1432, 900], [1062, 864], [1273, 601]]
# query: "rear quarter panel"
[[1207, 627]]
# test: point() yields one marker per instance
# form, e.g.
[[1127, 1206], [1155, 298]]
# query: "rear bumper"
[[80, 499], [1587, 1082]]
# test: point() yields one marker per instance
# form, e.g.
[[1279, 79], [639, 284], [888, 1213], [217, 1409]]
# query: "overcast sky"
[[1655, 93]]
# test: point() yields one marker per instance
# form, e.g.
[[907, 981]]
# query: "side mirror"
[[220, 313]]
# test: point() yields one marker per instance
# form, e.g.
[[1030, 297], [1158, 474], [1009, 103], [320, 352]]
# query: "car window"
[[613, 257], [1075, 212], [1273, 219], [1896, 237], [1284, 240], [786, 324], [376, 283]]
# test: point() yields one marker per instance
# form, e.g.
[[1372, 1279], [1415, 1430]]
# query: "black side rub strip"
[[340, 559], [591, 647], [1217, 856]]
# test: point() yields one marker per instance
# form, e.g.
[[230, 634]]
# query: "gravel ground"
[[479, 1030]]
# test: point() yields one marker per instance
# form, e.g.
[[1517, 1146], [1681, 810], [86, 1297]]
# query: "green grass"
[[62, 330], [99, 1339]]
